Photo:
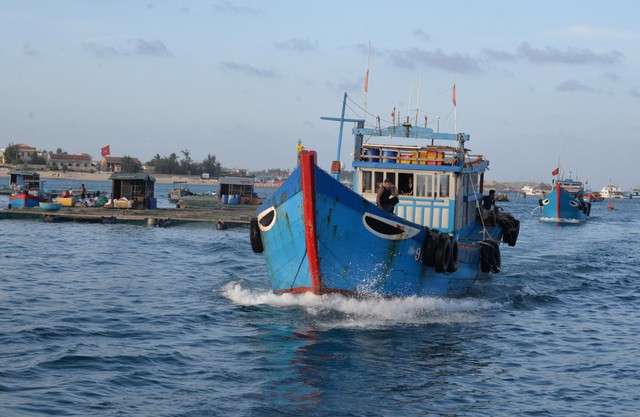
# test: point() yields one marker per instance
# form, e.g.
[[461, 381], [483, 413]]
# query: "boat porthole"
[[573, 203], [545, 201], [388, 229], [267, 219]]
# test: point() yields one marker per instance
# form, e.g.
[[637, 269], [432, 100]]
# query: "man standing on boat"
[[489, 202], [387, 196]]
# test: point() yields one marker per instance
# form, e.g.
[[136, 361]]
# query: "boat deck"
[[231, 215]]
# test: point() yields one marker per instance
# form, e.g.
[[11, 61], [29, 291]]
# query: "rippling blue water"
[[108, 320]]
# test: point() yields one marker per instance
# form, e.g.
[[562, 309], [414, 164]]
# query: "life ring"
[[254, 236], [452, 266], [443, 254], [486, 256]]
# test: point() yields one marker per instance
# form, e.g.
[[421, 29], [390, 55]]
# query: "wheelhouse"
[[446, 181]]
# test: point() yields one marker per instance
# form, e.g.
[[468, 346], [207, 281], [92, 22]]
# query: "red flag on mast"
[[453, 96], [555, 171], [106, 151], [366, 82]]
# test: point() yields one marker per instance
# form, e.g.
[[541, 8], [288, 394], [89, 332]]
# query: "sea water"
[[122, 320]]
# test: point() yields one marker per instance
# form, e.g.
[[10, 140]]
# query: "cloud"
[[574, 85], [635, 93], [299, 45], [135, 47], [499, 55], [414, 57], [104, 51], [570, 56], [611, 76], [153, 48], [229, 7], [248, 69], [422, 35]]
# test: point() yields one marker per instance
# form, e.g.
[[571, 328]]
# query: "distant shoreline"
[[104, 176]]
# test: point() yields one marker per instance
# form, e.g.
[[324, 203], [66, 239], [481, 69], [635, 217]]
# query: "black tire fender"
[[255, 237], [453, 262], [443, 254], [428, 253], [497, 258], [486, 256]]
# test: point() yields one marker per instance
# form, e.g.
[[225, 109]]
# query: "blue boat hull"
[[561, 207], [334, 240], [23, 200]]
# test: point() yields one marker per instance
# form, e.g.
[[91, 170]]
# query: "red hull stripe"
[[558, 200], [307, 170]]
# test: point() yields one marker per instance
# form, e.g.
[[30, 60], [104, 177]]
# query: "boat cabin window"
[[367, 182], [381, 175], [432, 185], [405, 184], [424, 185], [443, 185]]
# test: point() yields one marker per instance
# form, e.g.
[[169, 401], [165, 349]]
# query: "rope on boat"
[[485, 233]]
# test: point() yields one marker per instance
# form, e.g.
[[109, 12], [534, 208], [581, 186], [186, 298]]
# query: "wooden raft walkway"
[[230, 215]]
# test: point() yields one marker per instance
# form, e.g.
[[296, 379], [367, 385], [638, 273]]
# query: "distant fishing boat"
[[564, 204], [26, 188], [530, 191], [320, 236], [180, 189], [611, 191], [592, 197], [635, 192]]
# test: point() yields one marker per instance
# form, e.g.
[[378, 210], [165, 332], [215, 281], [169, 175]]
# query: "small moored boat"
[[46, 206], [27, 190]]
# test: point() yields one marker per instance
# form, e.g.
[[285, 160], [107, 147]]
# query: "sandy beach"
[[104, 176]]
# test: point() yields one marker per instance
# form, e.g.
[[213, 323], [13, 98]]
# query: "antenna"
[[418, 101], [409, 102]]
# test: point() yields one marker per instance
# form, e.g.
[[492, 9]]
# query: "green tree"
[[130, 165], [11, 155], [186, 164], [211, 166]]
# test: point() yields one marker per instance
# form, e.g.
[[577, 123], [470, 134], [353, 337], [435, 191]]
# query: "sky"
[[538, 84]]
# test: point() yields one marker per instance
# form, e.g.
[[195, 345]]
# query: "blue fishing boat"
[[320, 236], [565, 203], [26, 189]]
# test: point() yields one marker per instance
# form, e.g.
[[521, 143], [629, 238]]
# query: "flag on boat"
[[555, 171], [453, 96], [366, 82], [106, 151]]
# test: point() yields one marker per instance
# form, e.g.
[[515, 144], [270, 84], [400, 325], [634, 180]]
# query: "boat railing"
[[414, 155]]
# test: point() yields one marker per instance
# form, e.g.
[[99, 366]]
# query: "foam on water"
[[364, 312]]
